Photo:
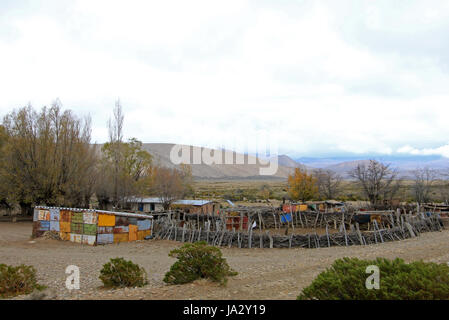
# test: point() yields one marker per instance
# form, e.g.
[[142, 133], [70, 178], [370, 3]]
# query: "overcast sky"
[[320, 77]]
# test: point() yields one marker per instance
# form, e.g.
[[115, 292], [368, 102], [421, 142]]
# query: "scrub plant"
[[198, 261], [120, 273], [18, 280]]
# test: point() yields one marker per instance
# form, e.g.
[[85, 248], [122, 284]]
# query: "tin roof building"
[[92, 227]]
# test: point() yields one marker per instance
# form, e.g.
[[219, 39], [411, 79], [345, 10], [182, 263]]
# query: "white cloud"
[[440, 151], [205, 72]]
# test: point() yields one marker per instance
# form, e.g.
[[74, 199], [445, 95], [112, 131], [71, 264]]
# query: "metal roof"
[[123, 214], [186, 202]]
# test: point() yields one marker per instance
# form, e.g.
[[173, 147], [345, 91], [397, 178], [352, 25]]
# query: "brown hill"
[[161, 154]]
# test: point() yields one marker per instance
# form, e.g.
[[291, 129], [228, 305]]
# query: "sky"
[[315, 78]]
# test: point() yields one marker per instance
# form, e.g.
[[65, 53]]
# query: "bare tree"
[[329, 183], [377, 180], [169, 184], [47, 158], [115, 127], [423, 180]]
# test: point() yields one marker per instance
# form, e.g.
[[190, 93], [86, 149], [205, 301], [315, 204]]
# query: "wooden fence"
[[404, 226]]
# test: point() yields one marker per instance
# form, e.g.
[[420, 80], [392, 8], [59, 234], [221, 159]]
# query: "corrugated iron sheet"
[[64, 226], [65, 236], [105, 238], [90, 240], [54, 214], [77, 217], [90, 217], [77, 238], [36, 214], [65, 215], [90, 229], [132, 232], [44, 215], [144, 224], [76, 228], [36, 229], [105, 230], [121, 237], [121, 229], [106, 220], [121, 221], [54, 226], [140, 235], [44, 226]]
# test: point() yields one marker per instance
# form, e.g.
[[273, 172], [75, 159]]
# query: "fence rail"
[[405, 226]]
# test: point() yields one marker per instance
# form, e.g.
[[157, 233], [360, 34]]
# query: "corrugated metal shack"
[[91, 227]]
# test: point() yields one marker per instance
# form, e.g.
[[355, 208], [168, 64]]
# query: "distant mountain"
[[161, 155], [404, 164], [286, 161], [343, 168]]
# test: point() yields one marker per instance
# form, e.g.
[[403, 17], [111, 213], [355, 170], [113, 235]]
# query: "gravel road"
[[263, 273]]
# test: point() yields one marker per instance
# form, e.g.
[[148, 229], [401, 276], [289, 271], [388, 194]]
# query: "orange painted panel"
[[64, 227], [132, 232], [106, 220]]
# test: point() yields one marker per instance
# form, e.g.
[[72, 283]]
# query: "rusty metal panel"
[[76, 228], [106, 220], [90, 229], [140, 235], [54, 214], [88, 239], [90, 217], [54, 226], [36, 229], [65, 236], [121, 229], [121, 221], [144, 224], [77, 217], [132, 232], [36, 214], [44, 215], [65, 216], [44, 226], [64, 226], [77, 238], [121, 237], [105, 238], [105, 230]]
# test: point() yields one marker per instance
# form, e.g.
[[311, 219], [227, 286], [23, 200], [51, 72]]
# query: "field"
[[248, 191], [263, 273]]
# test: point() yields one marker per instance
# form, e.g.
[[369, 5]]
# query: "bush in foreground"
[[18, 280], [197, 261], [120, 273], [345, 280]]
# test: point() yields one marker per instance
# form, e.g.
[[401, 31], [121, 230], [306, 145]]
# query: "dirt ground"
[[263, 273]]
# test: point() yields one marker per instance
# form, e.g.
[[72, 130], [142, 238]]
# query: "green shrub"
[[119, 273], [196, 261], [18, 280], [345, 280]]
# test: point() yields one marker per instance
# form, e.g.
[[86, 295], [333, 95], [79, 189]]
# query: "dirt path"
[[263, 273]]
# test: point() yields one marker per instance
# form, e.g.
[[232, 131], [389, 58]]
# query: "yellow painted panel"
[[141, 235], [106, 220], [121, 237], [132, 232], [64, 227], [65, 236]]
